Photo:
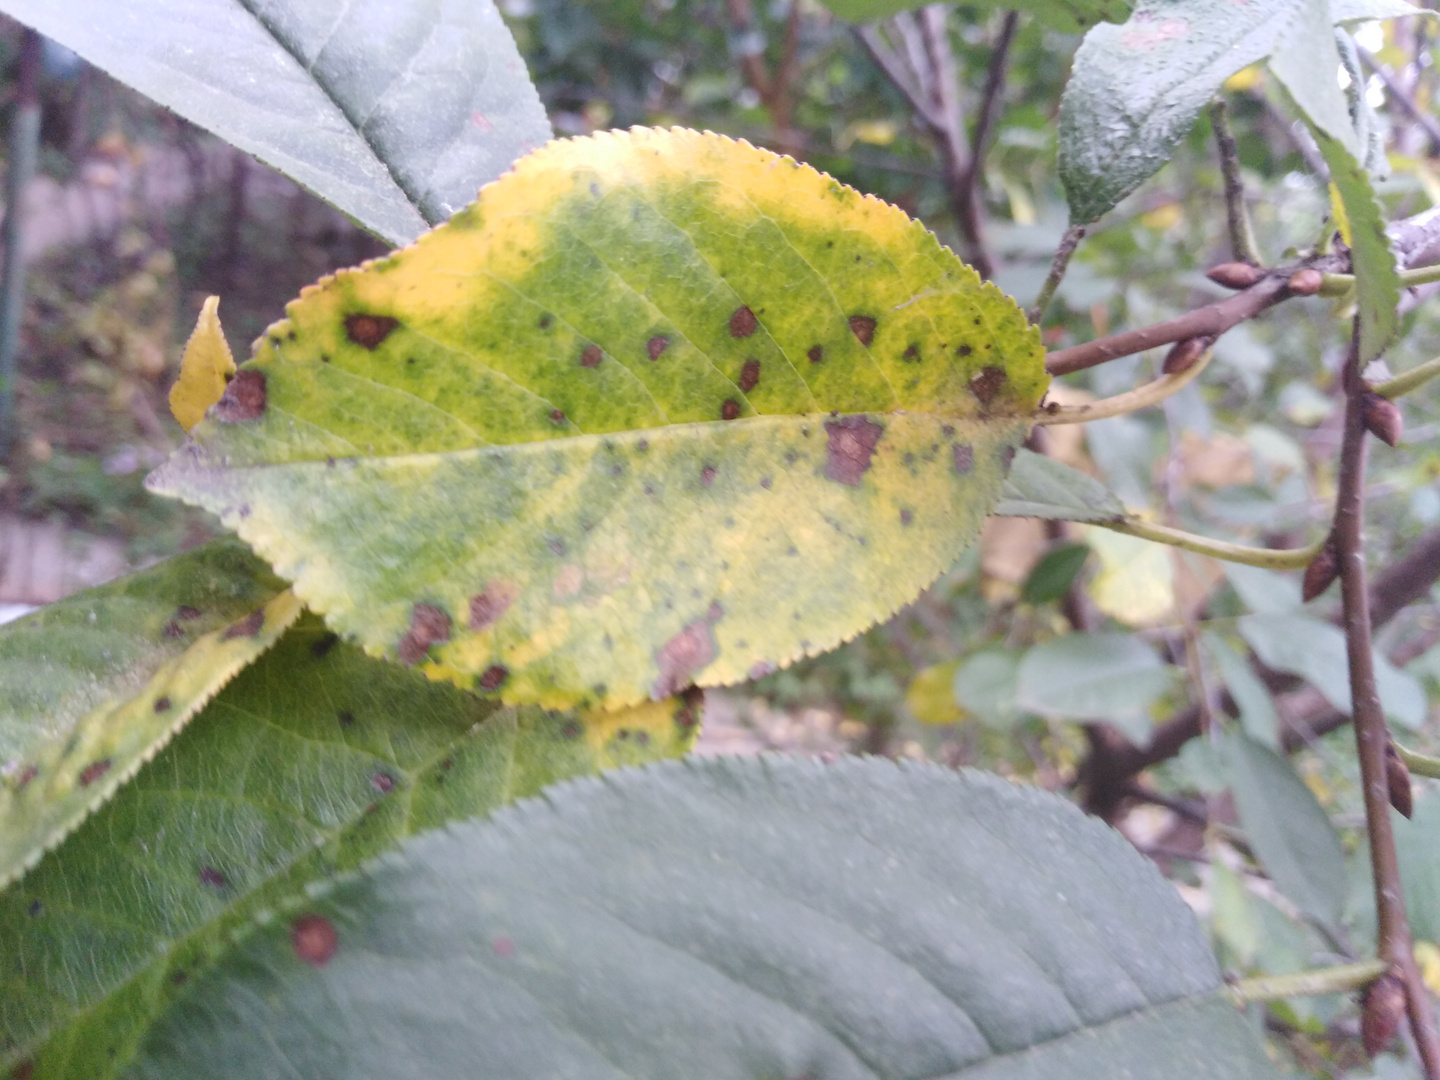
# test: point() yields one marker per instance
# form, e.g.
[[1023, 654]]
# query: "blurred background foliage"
[[1048, 651]]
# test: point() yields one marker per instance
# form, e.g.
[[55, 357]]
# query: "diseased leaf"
[[1286, 827], [1042, 487], [659, 408], [1111, 677], [204, 369], [1066, 16], [312, 760], [1377, 282], [733, 920], [93, 686], [394, 112]]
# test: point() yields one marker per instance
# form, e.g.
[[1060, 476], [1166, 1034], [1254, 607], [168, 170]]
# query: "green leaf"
[[1042, 487], [1353, 11], [394, 112], [1112, 677], [93, 686], [986, 685], [1306, 61], [733, 919], [1417, 844], [1066, 16], [660, 407], [1286, 827], [1257, 711], [1315, 651], [1377, 282], [1055, 573], [311, 761]]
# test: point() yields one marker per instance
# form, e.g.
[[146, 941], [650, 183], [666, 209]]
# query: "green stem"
[[1152, 393], [1340, 284], [1339, 979], [1265, 558], [1419, 764], [1413, 379]]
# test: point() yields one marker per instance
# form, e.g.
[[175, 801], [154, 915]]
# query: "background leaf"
[[1054, 573], [1257, 710], [1112, 677], [734, 919], [1066, 16], [394, 112], [314, 759], [1286, 827], [573, 445], [987, 686], [1305, 61], [1042, 487], [91, 687]]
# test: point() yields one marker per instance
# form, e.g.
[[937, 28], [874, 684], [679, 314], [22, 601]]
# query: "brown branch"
[[908, 82], [1399, 93], [1372, 736], [1242, 237]]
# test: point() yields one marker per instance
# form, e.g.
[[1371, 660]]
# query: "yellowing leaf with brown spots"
[[204, 369], [658, 408], [93, 686]]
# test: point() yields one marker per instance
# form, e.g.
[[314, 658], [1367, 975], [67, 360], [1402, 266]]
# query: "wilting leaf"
[[659, 408], [734, 920], [394, 112], [312, 760], [91, 687]]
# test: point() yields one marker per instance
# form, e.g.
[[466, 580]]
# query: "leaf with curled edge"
[[659, 408], [93, 686]]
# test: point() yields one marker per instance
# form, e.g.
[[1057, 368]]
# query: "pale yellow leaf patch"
[[204, 369]]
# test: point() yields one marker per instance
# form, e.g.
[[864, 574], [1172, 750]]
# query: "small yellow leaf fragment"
[[203, 369], [931, 695], [1428, 957], [1337, 211]]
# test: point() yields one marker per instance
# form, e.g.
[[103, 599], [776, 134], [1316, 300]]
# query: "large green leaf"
[[314, 759], [1111, 677], [1305, 61], [1041, 487], [396, 111], [1067, 16], [659, 407], [93, 686], [733, 919]]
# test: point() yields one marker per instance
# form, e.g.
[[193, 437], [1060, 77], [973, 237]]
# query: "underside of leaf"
[[660, 408]]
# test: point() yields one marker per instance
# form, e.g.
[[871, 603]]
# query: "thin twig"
[[1242, 236], [1266, 558], [1372, 737], [1331, 980], [1151, 393], [1058, 265], [888, 61], [1399, 93]]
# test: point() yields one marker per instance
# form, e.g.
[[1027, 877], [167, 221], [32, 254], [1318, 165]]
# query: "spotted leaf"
[[93, 686], [659, 408]]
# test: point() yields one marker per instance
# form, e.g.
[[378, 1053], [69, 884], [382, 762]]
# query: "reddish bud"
[[1235, 275], [1383, 1008], [1397, 778], [1382, 418], [1321, 573], [1306, 282], [1184, 354]]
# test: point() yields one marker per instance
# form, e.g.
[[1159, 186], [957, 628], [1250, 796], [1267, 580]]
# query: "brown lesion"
[[852, 442], [591, 356], [487, 606], [988, 384], [368, 331], [656, 346], [743, 322], [749, 375], [692, 649], [243, 399], [246, 627], [493, 677], [863, 327], [428, 626]]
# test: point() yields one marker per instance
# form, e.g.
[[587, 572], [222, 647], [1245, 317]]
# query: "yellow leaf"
[[1342, 219], [1246, 78], [931, 696], [1428, 957], [204, 369], [1135, 582]]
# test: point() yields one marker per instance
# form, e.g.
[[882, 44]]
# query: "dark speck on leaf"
[[556, 416], [591, 356], [487, 607], [545, 321], [986, 385], [346, 718], [714, 613], [186, 612], [35, 909], [765, 482], [643, 445], [863, 327], [963, 350], [162, 704], [852, 441], [94, 771], [730, 410], [321, 646], [816, 354], [571, 729], [743, 323], [656, 346], [684, 654], [493, 677], [707, 476], [964, 458], [314, 939], [556, 545], [212, 877], [428, 626], [947, 430], [906, 517], [1007, 456], [369, 331], [246, 627], [912, 354], [382, 782], [172, 629], [243, 400], [27, 774], [749, 375]]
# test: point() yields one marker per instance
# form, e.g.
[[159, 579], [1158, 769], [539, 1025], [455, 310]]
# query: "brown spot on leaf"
[[906, 517], [556, 416], [963, 350], [656, 346], [863, 327], [852, 444], [715, 612], [314, 939], [212, 877], [346, 718], [172, 629], [493, 677], [730, 410], [964, 458], [912, 354], [187, 613], [162, 704], [684, 654], [382, 782], [591, 356], [94, 771], [321, 646], [246, 627], [428, 626], [707, 476], [816, 354], [487, 607], [369, 331], [571, 730], [36, 909], [743, 322], [243, 400], [23, 1071], [26, 775], [749, 375], [987, 384]]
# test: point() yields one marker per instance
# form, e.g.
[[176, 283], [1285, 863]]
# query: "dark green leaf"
[[1287, 829], [1041, 487], [1054, 573], [1067, 16], [733, 919], [313, 759], [394, 112]]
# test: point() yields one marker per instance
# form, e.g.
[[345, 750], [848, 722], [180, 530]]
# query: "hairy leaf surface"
[[314, 759], [742, 919], [395, 113], [1067, 16], [93, 686], [659, 408]]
